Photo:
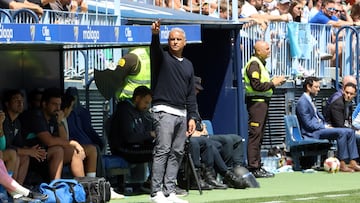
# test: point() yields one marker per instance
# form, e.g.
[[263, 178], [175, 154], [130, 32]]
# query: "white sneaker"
[[159, 198], [174, 199], [115, 195]]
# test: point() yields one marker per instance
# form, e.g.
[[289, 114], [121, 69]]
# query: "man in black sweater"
[[131, 130], [174, 109]]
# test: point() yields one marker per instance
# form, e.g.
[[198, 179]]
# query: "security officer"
[[132, 70], [141, 76], [259, 89]]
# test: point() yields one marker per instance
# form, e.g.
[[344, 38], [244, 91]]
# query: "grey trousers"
[[168, 151]]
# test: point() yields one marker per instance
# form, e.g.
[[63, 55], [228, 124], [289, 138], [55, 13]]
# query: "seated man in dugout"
[[90, 160], [132, 128], [313, 125], [13, 103], [44, 127], [81, 129], [8, 154]]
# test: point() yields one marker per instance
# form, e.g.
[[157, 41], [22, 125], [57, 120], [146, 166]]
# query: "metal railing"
[[281, 61], [57, 17], [319, 62]]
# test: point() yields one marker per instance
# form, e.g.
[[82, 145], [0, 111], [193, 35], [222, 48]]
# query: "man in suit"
[[339, 112], [313, 125], [339, 93]]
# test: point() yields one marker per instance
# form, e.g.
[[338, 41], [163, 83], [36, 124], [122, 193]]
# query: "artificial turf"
[[287, 186]]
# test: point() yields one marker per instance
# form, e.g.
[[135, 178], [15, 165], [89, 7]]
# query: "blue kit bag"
[[63, 191]]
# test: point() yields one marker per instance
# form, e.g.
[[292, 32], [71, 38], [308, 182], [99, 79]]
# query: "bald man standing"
[[258, 89]]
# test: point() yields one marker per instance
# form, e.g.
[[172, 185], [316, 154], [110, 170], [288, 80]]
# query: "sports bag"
[[63, 191], [97, 189]]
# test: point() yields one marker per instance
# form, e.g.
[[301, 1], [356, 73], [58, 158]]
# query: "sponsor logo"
[[91, 34], [128, 34], [6, 33], [45, 31]]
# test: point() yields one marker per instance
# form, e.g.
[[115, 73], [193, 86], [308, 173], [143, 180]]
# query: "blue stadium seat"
[[5, 16], [300, 147], [209, 126], [25, 16]]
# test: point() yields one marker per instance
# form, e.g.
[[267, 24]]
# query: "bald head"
[[349, 78], [262, 49]]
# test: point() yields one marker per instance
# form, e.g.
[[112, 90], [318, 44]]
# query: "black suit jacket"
[[335, 113]]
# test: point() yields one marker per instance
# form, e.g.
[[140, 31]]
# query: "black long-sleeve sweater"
[[174, 84], [129, 127]]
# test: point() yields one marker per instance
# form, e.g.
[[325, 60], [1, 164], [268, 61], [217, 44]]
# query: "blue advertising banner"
[[84, 34]]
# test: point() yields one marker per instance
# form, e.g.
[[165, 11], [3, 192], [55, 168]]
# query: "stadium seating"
[[209, 126], [5, 16], [300, 147], [25, 16]]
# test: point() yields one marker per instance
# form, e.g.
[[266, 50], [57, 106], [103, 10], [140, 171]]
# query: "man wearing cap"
[[227, 151], [282, 7], [232, 144], [258, 90], [252, 8], [132, 70], [140, 75]]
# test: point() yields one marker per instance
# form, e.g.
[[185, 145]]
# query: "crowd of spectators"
[[334, 12], [38, 6]]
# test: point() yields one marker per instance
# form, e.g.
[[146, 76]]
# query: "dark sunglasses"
[[331, 9]]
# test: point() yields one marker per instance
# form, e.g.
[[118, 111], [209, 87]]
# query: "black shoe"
[[38, 196], [202, 183], [234, 181], [180, 192], [262, 173], [210, 179], [146, 186], [270, 174]]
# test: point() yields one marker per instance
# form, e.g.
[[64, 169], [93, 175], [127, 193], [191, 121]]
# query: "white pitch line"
[[337, 195], [306, 198]]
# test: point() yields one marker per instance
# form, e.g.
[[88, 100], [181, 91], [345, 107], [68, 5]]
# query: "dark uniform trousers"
[[257, 111]]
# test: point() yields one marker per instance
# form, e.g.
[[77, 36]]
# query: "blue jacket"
[[355, 122], [308, 120]]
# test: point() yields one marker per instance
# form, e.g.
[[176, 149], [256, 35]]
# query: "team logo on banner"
[[32, 32], [76, 33], [116, 32]]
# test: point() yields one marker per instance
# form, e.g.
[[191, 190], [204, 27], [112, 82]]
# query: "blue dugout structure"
[[213, 47]]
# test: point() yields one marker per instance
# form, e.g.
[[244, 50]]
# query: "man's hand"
[[278, 80], [80, 151], [155, 27], [59, 116], [191, 127], [153, 134], [38, 153], [2, 117]]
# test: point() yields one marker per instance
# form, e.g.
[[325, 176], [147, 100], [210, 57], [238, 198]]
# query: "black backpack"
[[97, 189]]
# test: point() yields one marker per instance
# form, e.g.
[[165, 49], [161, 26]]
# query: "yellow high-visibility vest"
[[142, 78], [264, 77]]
